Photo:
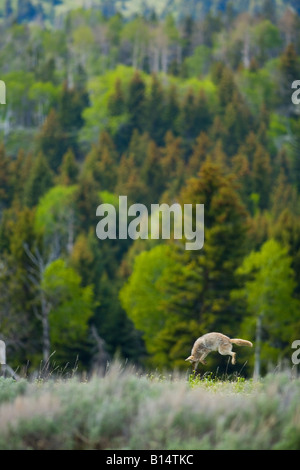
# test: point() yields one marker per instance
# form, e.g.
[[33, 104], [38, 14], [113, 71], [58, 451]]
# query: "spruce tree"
[[68, 170], [199, 154], [289, 68], [154, 115], [136, 102], [171, 110], [101, 162], [39, 181], [52, 140], [4, 176], [200, 290], [152, 175]]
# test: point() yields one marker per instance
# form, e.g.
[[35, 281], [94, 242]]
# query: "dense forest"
[[166, 101]]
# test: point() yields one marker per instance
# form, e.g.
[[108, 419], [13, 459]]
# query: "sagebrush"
[[128, 410]]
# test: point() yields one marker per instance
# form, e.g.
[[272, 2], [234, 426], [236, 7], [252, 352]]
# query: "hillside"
[[28, 10], [194, 111]]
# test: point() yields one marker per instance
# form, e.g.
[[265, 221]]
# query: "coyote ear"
[[190, 358]]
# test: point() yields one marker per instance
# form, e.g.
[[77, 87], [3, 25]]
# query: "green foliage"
[[184, 102], [71, 304], [142, 295], [269, 288], [39, 182], [128, 410]]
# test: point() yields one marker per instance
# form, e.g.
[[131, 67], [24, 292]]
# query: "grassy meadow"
[[123, 409]]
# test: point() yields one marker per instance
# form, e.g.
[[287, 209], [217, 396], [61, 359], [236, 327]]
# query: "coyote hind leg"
[[227, 351]]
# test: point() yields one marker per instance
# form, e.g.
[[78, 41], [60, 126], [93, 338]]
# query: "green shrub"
[[125, 410]]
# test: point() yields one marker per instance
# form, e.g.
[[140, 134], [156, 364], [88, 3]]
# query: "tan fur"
[[214, 342]]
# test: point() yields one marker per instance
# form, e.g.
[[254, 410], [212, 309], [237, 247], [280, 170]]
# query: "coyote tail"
[[241, 342]]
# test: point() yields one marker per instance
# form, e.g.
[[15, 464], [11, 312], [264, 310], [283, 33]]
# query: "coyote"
[[214, 342]]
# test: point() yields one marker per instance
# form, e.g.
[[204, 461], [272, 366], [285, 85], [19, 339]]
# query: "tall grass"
[[127, 410]]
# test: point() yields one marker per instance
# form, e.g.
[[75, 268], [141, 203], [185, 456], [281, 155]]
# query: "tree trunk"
[[46, 328], [256, 373]]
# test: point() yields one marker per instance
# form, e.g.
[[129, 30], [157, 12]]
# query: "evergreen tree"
[[193, 288], [68, 170], [129, 181], [87, 200], [154, 115], [152, 175], [237, 124], [289, 68], [138, 147], [200, 152], [295, 164], [187, 124], [226, 87], [171, 110], [4, 176], [172, 164], [101, 162], [71, 104], [16, 293], [52, 140], [261, 174], [214, 265], [195, 116], [39, 181], [136, 102]]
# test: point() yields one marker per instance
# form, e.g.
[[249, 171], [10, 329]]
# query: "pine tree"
[[39, 181], [203, 113], [87, 200], [289, 68], [283, 197], [129, 181], [200, 152], [261, 174], [194, 117], [68, 170], [201, 290], [4, 176], [286, 230], [101, 162], [172, 164], [138, 147], [190, 291], [136, 102], [171, 110], [152, 175], [187, 124], [154, 115], [226, 88], [52, 140], [295, 154], [237, 124], [71, 104], [241, 169]]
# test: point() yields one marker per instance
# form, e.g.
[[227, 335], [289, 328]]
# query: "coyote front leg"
[[204, 352], [203, 356]]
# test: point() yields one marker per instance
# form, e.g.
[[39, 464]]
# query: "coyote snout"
[[214, 342]]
